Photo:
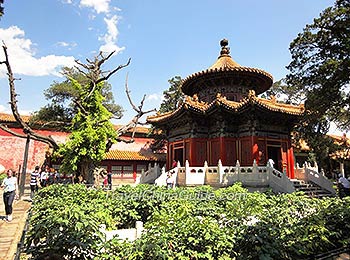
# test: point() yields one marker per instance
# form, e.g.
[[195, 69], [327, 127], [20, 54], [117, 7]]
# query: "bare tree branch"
[[8, 130], [135, 121], [54, 123], [26, 128], [114, 71], [95, 74]]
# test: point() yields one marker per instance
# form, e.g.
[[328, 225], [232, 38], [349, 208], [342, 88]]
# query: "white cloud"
[[7, 110], [110, 38], [22, 56], [68, 45], [2, 109], [334, 130], [154, 97], [153, 101], [63, 44], [100, 6]]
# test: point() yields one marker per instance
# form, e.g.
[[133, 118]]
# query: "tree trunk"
[[87, 171]]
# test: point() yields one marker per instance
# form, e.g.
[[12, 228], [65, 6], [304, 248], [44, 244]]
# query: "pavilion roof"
[[193, 104], [134, 156], [226, 67], [9, 118], [344, 152]]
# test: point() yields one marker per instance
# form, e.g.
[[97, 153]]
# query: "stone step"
[[310, 189]]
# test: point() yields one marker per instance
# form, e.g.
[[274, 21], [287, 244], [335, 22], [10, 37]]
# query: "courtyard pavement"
[[11, 232]]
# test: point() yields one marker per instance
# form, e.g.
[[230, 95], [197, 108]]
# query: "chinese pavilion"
[[222, 117]]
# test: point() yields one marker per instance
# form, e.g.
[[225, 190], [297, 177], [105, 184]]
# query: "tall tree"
[[92, 133], [319, 74], [172, 98], [283, 92], [320, 66], [62, 98]]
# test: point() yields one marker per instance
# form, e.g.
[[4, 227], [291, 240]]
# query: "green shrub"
[[2, 177], [186, 223]]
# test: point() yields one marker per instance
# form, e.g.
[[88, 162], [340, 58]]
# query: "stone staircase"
[[310, 189]]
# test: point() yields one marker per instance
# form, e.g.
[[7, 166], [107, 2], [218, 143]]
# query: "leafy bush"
[[2, 177], [186, 223]]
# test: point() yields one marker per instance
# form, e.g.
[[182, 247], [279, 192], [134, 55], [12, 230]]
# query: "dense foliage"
[[63, 98], [172, 98], [186, 223], [319, 74], [91, 131], [2, 176]]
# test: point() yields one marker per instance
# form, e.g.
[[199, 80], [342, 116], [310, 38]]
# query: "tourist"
[[105, 181], [44, 176], [10, 192], [34, 181], [57, 177], [174, 165], [271, 162], [52, 178], [170, 180], [109, 179], [344, 186]]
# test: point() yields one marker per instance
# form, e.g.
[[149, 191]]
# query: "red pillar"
[[255, 149], [290, 168]]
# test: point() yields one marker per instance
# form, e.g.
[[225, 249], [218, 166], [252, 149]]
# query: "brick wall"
[[12, 149]]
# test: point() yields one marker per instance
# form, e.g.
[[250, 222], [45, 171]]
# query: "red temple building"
[[223, 117], [125, 161]]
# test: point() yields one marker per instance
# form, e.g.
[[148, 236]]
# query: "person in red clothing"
[[174, 164]]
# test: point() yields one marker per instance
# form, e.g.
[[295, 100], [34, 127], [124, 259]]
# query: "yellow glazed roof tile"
[[192, 103], [11, 119], [133, 156], [225, 63]]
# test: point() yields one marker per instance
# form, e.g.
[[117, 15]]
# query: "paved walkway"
[[11, 232]]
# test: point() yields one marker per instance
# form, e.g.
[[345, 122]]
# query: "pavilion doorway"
[[179, 155], [274, 153]]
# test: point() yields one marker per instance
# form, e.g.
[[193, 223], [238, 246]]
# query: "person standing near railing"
[[34, 181], [10, 192], [271, 162], [170, 180], [344, 186]]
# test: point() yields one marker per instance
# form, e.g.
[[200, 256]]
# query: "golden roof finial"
[[225, 51], [251, 93]]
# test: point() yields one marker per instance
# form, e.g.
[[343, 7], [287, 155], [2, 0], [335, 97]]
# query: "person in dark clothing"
[[109, 180], [34, 181]]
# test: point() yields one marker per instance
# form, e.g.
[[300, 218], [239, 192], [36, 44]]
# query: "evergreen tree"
[[320, 67], [173, 97], [63, 98], [319, 75]]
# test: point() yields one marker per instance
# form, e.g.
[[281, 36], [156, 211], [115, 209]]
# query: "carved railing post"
[[238, 170], [178, 164], [220, 171], [255, 167], [187, 170]]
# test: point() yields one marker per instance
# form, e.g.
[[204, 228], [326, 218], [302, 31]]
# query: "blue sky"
[[163, 38]]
